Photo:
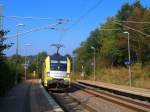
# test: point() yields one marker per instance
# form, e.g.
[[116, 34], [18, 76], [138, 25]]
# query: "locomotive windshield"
[[58, 66]]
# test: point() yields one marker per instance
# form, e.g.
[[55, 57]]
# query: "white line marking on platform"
[[55, 106]]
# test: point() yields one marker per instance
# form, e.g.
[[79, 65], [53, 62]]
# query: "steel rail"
[[119, 91], [115, 99], [55, 96]]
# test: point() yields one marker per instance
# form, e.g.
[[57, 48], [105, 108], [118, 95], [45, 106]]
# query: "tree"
[[6, 68], [111, 45], [2, 45], [37, 62], [85, 52], [139, 42]]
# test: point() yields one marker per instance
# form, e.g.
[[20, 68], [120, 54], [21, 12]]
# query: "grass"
[[119, 75]]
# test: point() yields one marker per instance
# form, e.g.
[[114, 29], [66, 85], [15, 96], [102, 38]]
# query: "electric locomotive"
[[56, 72]]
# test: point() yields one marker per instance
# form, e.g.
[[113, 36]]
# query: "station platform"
[[29, 96], [126, 89]]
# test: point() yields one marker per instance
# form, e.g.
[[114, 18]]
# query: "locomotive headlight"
[[67, 78], [68, 75], [48, 74]]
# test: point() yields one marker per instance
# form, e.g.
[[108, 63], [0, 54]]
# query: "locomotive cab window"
[[57, 66]]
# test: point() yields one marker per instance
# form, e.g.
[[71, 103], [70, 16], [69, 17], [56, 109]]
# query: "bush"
[[7, 77]]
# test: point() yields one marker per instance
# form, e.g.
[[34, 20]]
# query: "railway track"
[[69, 103], [84, 99], [81, 98], [134, 93], [122, 101]]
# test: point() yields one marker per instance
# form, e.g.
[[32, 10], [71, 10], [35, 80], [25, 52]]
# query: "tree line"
[[9, 68], [111, 44]]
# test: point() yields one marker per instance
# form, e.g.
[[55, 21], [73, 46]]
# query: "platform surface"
[[29, 96], [126, 89], [18, 99]]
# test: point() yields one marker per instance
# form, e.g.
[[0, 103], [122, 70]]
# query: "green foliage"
[[7, 70], [7, 76], [111, 45], [2, 45], [8, 66], [37, 62]]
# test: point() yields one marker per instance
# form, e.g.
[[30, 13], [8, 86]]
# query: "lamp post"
[[93, 60], [129, 59], [25, 65], [17, 45], [37, 65], [73, 62]]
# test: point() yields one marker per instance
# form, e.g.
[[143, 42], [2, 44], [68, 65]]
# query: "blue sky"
[[68, 9]]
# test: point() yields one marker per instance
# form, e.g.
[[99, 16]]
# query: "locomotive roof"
[[57, 56]]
